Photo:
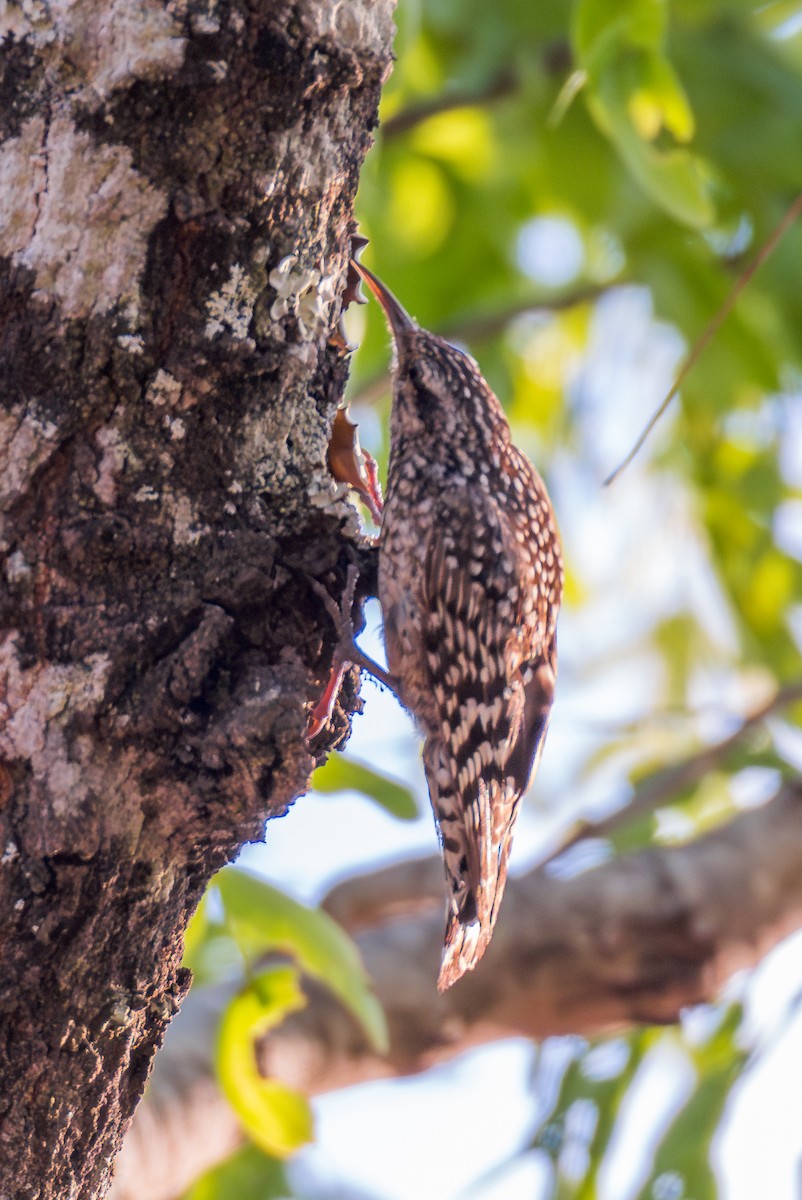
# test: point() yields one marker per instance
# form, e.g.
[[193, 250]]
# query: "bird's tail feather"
[[476, 821], [470, 926], [464, 946]]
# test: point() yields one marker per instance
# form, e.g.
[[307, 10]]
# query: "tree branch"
[[633, 941], [504, 84], [555, 61]]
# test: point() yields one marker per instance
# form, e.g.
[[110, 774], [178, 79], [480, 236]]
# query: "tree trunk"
[[167, 392]]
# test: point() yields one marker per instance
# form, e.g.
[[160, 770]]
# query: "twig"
[[483, 325], [660, 787], [715, 324], [503, 85]]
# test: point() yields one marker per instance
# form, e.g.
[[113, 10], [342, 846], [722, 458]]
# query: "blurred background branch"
[[634, 941]]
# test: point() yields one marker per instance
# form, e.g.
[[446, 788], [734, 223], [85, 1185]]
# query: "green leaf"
[[675, 179], [601, 27], [210, 952], [278, 1119], [633, 93], [684, 1151], [196, 933], [263, 919], [605, 1090], [463, 138], [340, 774], [421, 204], [608, 1096], [249, 1174]]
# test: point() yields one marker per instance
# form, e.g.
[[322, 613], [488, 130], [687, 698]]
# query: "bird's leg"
[[345, 652], [322, 711]]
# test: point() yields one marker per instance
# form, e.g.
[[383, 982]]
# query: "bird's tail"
[[477, 873], [463, 947], [467, 938]]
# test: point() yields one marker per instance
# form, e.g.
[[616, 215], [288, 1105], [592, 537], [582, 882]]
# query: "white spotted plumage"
[[470, 581]]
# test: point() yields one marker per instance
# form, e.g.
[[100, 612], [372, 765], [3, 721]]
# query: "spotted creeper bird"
[[470, 581]]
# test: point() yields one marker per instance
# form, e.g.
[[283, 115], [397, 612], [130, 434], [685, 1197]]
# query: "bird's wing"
[[492, 688]]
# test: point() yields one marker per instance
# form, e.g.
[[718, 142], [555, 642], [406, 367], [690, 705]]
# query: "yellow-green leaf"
[[657, 100], [195, 933], [600, 28], [276, 1118], [263, 919], [249, 1174], [677, 180], [340, 774]]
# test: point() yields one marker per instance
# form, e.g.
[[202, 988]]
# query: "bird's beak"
[[398, 318]]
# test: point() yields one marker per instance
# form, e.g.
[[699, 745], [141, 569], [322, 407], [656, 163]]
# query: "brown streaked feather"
[[470, 581], [490, 724]]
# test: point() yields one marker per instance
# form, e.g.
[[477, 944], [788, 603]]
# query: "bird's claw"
[[345, 652]]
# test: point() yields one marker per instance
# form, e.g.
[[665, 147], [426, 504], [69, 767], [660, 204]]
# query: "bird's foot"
[[345, 652], [321, 713]]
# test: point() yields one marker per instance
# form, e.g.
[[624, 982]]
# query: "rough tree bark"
[[168, 382]]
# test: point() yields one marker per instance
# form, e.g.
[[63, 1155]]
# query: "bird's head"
[[434, 383]]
